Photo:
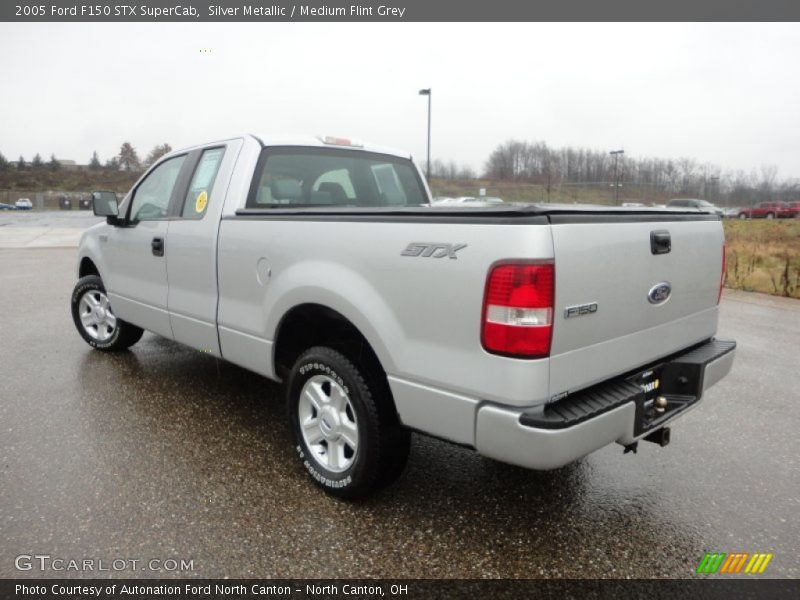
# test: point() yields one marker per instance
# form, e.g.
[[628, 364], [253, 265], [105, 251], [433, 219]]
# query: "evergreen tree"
[[37, 162], [53, 163], [94, 164], [128, 159]]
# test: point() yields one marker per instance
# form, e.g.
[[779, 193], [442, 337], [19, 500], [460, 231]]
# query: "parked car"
[[730, 212], [769, 210], [533, 334], [4, 206], [795, 206], [468, 200], [23, 204], [696, 203]]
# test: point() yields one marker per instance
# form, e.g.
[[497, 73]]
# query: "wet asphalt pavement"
[[164, 452]]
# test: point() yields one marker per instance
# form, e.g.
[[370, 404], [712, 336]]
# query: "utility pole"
[[427, 92], [615, 154], [715, 188]]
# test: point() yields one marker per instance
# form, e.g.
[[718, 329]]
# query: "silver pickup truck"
[[534, 334]]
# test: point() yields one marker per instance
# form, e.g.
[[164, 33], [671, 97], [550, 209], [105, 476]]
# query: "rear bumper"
[[619, 410]]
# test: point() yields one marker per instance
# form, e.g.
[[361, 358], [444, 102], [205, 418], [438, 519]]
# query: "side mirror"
[[105, 204]]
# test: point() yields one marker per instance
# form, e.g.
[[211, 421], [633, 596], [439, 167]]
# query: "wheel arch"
[[312, 324], [87, 266]]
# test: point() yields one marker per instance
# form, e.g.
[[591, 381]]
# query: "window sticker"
[[201, 202]]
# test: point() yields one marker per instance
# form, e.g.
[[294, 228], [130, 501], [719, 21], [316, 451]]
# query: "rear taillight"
[[724, 268], [518, 310]]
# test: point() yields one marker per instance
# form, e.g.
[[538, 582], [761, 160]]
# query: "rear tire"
[[95, 321], [770, 216], [742, 216], [347, 434]]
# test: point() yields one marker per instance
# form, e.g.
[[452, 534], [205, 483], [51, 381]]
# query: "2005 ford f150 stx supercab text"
[[534, 334]]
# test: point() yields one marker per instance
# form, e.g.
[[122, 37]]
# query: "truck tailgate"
[[610, 262]]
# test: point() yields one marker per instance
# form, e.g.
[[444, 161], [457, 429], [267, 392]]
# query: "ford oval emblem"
[[659, 293]]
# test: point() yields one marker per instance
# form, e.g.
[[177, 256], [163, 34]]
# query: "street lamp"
[[715, 187], [615, 154], [427, 92]]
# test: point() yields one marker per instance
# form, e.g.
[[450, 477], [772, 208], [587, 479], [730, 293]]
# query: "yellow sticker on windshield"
[[200, 203]]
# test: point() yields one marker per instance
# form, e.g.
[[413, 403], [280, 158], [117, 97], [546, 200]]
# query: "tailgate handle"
[[660, 242]]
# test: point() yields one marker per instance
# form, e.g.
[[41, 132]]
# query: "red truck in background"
[[771, 210]]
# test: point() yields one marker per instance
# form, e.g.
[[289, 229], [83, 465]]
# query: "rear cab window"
[[202, 183], [310, 176]]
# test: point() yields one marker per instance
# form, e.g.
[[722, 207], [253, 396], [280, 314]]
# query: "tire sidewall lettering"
[[77, 294], [307, 371], [325, 370]]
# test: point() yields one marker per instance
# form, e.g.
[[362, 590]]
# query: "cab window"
[[298, 176], [199, 192], [151, 199]]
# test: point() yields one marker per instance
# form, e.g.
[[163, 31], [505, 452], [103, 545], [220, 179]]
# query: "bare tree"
[[157, 153], [766, 184]]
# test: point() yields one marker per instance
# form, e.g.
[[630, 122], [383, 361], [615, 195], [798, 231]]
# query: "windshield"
[[295, 176], [705, 203]]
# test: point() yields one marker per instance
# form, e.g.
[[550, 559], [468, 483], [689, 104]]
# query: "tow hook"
[[659, 436]]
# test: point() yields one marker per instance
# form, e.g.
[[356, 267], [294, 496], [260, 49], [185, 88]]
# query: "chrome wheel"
[[97, 320], [328, 423]]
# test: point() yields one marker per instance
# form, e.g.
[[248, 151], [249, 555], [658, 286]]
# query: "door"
[[137, 280], [192, 256]]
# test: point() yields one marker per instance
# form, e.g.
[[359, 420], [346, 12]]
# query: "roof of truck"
[[327, 141]]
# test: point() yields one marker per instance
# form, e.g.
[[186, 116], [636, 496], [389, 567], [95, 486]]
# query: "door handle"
[[157, 246], [660, 242]]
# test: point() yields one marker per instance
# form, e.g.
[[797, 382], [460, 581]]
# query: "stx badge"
[[432, 250]]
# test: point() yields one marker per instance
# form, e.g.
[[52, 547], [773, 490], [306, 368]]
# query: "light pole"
[[715, 187], [427, 92], [615, 154]]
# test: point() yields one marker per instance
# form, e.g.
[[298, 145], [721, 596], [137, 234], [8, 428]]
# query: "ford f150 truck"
[[534, 334]]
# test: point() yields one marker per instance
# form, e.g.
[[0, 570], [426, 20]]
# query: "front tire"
[[95, 321], [770, 216], [347, 434]]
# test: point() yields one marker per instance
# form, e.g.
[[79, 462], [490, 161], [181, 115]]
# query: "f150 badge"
[[432, 250], [580, 310]]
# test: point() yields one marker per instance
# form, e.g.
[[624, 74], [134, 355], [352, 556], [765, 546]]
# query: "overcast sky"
[[728, 94]]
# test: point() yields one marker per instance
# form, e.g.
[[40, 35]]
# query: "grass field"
[[515, 191], [764, 256]]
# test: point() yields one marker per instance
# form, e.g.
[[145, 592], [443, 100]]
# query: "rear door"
[[622, 299], [137, 280], [192, 253]]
